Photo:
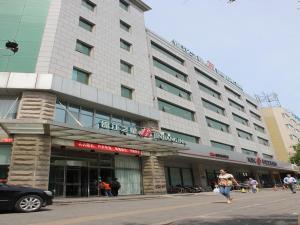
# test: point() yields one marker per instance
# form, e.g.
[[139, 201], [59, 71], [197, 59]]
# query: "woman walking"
[[225, 183]]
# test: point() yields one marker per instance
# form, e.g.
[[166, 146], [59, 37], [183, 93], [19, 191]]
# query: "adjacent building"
[[284, 128], [92, 94]]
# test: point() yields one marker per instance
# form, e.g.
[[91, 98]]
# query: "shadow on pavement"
[[259, 220]]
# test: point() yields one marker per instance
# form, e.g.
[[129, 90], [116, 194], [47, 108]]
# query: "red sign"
[[106, 148], [216, 155], [145, 132], [210, 65], [6, 140], [258, 161]]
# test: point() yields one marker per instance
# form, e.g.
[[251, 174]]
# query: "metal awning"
[[68, 132]]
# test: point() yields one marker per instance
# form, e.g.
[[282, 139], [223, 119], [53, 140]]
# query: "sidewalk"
[[67, 201]]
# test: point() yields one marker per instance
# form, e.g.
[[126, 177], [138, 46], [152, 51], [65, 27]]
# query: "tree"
[[296, 158]]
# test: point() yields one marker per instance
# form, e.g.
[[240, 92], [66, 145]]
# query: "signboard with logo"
[[208, 63], [143, 132], [106, 148], [260, 161]]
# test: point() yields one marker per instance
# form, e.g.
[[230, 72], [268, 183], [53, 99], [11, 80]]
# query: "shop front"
[[5, 154]]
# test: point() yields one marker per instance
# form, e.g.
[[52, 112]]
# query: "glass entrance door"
[[73, 182], [93, 181]]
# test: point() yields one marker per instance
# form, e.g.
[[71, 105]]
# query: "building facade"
[[92, 94], [284, 129]]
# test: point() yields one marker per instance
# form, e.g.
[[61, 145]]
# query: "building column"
[[154, 180], [30, 160]]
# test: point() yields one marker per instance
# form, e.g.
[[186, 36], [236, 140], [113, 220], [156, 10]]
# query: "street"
[[265, 207]]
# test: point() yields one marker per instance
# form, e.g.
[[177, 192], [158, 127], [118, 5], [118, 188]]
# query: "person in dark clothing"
[[115, 186]]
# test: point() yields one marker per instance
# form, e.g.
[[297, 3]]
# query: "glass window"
[[244, 135], [259, 128], [185, 137], [204, 75], [85, 24], [126, 67], [251, 104], [187, 177], [169, 69], [213, 107], [240, 119], [80, 76], [266, 156], [263, 141], [125, 26], [233, 92], [172, 89], [249, 152], [60, 112], [209, 90], [100, 116], [175, 110], [236, 105], [126, 92], [175, 176], [125, 45], [217, 125], [222, 146], [88, 4], [167, 53], [255, 116], [74, 110], [5, 154], [124, 5], [86, 117], [83, 48], [8, 107]]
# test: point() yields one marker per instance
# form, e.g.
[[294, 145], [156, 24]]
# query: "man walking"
[[290, 182]]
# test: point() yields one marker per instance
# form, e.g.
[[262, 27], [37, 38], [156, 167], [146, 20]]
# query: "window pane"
[[60, 115], [86, 24], [124, 26], [222, 146], [236, 105], [175, 110], [5, 153], [125, 45], [172, 89], [124, 5], [86, 117], [187, 177], [126, 92], [88, 4], [80, 76], [185, 137], [244, 135], [204, 75], [209, 91], [126, 67], [83, 48], [213, 107], [169, 69], [240, 119], [8, 103], [167, 53], [175, 176], [217, 125]]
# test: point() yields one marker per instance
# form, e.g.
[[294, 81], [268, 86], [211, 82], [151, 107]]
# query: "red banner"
[[106, 148], [6, 140]]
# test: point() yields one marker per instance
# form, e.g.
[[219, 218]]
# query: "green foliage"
[[296, 158]]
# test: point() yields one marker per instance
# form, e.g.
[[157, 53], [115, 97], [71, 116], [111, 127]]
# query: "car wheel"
[[29, 203]]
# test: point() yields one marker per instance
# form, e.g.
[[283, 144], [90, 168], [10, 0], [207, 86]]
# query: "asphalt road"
[[263, 208]]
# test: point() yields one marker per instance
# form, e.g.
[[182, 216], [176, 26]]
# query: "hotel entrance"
[[76, 174]]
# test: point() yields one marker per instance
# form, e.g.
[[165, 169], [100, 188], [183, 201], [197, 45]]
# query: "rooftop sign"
[[208, 63]]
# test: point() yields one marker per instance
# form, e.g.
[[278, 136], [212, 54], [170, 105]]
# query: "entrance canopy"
[[62, 131]]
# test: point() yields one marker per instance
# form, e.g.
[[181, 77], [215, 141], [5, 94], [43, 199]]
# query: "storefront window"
[[187, 177], [175, 176], [5, 154]]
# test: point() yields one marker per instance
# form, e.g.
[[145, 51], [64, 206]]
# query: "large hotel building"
[[93, 93]]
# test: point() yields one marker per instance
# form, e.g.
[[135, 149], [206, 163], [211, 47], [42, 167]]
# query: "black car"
[[23, 199]]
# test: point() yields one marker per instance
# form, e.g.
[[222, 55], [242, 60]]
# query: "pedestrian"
[[253, 185], [225, 183], [115, 187], [107, 189], [290, 182]]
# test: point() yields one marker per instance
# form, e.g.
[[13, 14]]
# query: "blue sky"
[[255, 42]]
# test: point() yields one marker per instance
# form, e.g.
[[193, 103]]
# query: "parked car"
[[23, 199]]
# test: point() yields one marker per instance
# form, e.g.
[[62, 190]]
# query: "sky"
[[255, 42]]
